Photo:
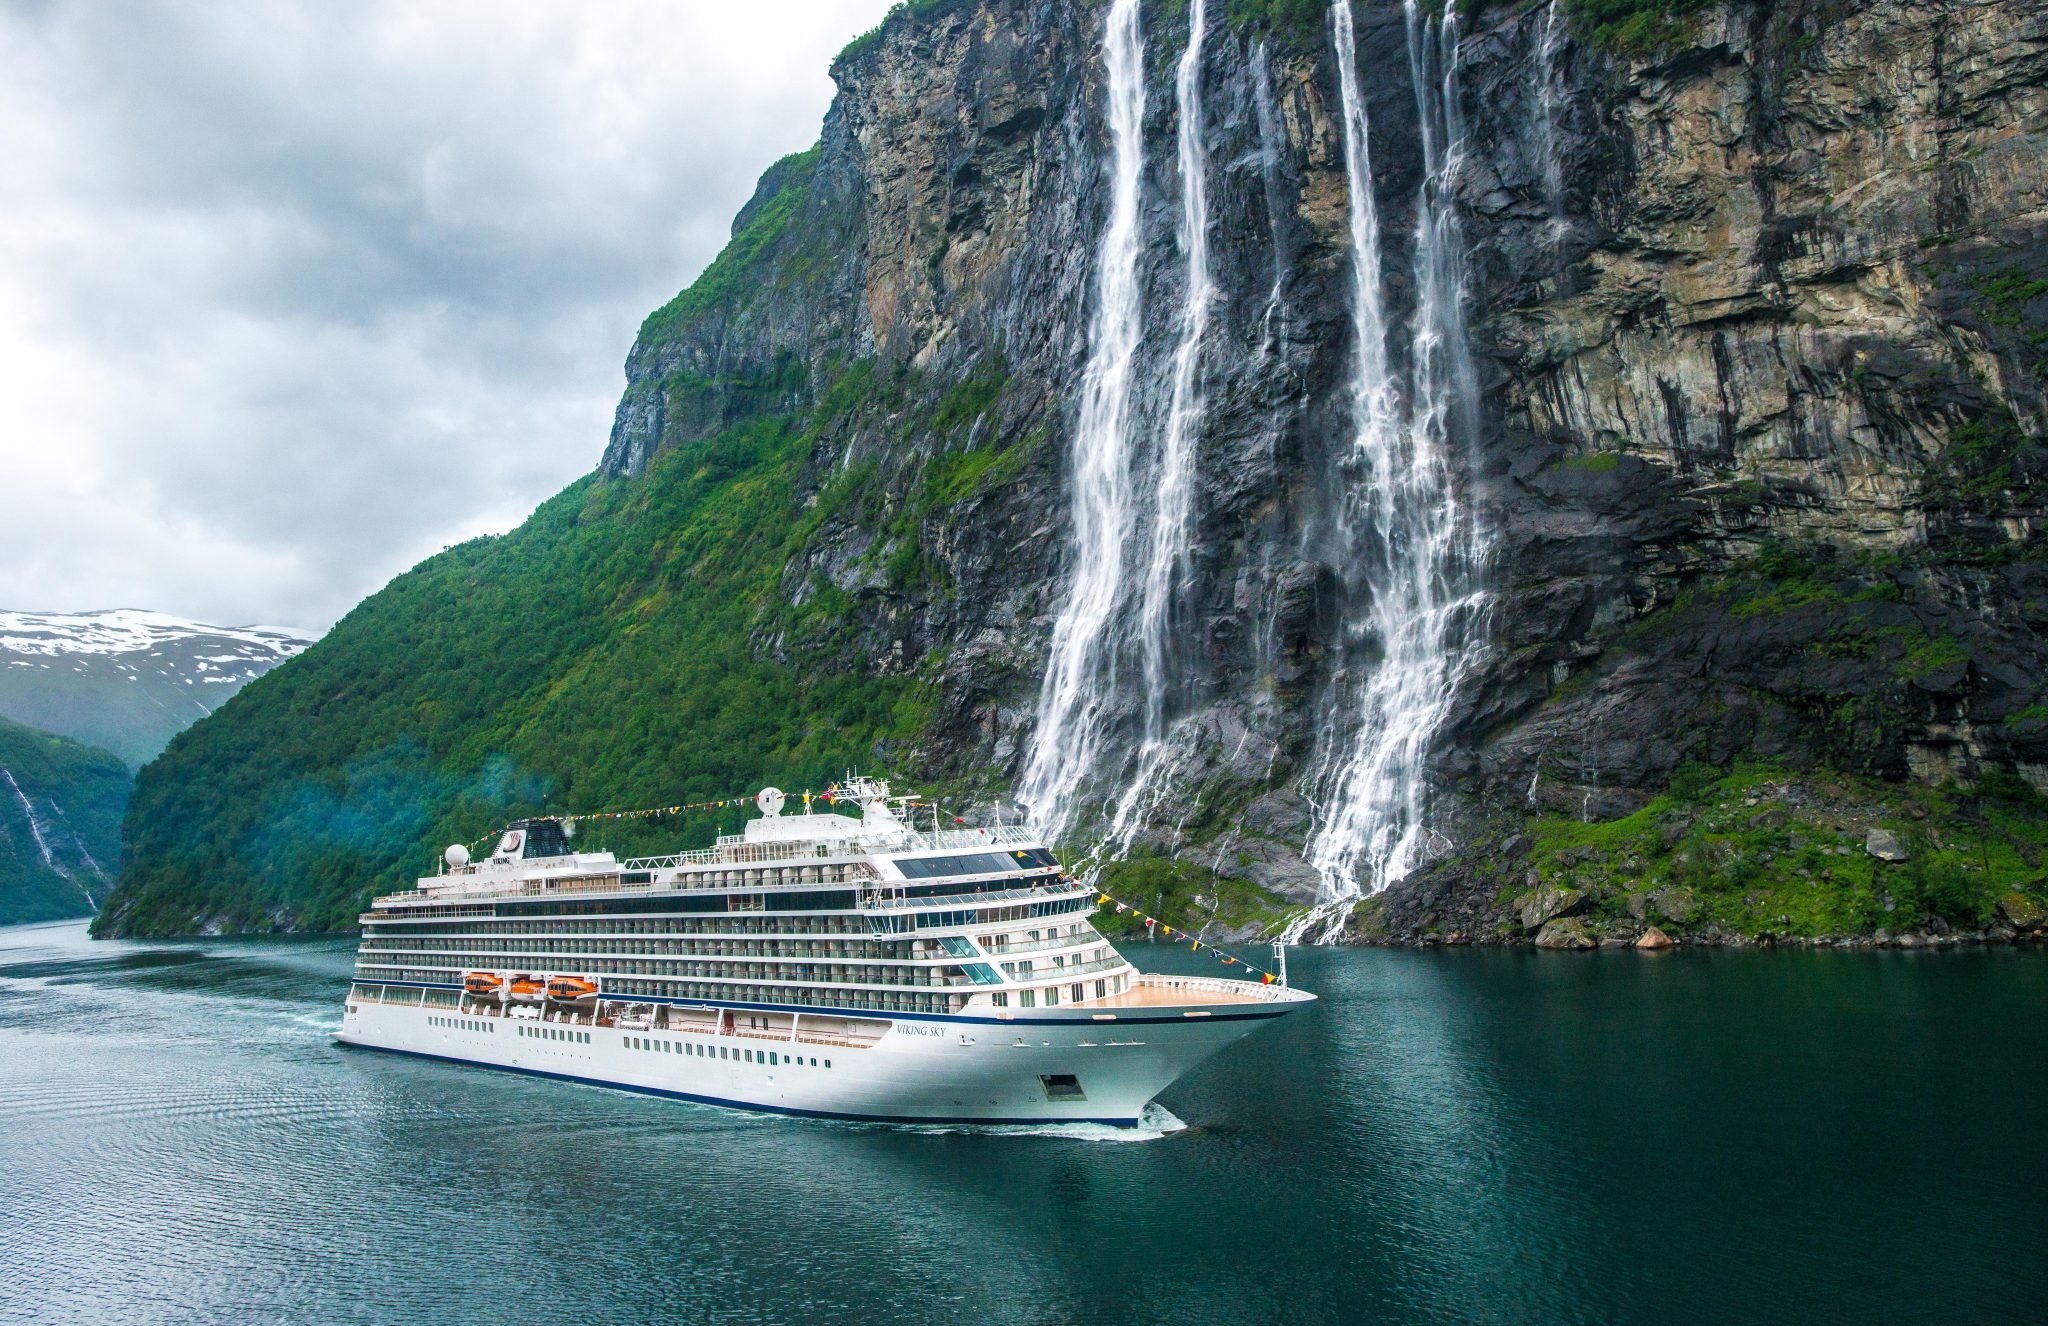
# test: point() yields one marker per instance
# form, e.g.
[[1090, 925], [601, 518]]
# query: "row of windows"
[[655, 925], [1025, 968], [890, 1001], [883, 1001], [795, 973], [597, 916], [463, 1024], [1077, 992], [712, 948], [556, 1034], [771, 1058]]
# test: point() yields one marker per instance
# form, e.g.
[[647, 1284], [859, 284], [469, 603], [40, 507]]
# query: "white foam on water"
[[1154, 1123]]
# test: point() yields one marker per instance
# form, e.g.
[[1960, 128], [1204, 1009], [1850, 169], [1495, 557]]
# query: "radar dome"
[[456, 856], [770, 801]]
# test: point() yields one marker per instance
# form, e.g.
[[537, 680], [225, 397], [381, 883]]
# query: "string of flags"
[[1194, 945], [677, 809]]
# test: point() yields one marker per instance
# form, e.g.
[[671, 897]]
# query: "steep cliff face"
[[1755, 308], [1769, 408]]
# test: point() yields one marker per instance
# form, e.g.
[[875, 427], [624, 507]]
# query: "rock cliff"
[[1756, 299]]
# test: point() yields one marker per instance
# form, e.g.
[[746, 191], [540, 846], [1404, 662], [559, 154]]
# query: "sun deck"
[[1152, 991]]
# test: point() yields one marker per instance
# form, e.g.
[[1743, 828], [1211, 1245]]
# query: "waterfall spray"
[[1411, 553], [1549, 76], [1172, 527], [1079, 673]]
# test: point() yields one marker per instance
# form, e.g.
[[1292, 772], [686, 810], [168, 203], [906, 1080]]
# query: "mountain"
[[61, 804], [126, 680], [1546, 469]]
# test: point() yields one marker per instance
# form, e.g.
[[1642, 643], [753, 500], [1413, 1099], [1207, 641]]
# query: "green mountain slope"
[[633, 643], [60, 824]]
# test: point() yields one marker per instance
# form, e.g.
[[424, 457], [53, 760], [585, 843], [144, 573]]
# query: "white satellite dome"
[[457, 856], [770, 801]]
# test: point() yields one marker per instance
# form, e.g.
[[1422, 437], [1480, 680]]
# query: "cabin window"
[[1000, 1000], [1027, 998], [1052, 995]]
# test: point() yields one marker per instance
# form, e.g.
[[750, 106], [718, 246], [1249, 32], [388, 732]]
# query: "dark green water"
[[1473, 1136]]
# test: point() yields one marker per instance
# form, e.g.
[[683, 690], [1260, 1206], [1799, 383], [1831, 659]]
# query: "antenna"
[[1280, 960]]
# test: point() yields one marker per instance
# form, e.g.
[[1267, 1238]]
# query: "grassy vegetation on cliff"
[[1182, 893], [76, 795], [724, 281], [1761, 850]]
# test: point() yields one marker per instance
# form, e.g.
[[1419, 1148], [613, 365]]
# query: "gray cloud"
[[292, 296]]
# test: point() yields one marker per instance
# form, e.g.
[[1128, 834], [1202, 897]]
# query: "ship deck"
[[1149, 991]]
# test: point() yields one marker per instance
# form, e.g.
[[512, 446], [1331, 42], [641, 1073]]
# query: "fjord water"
[[1462, 1136]]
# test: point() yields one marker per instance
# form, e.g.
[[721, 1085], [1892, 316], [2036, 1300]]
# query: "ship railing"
[[1040, 945], [993, 835], [951, 900], [1272, 994], [1072, 969]]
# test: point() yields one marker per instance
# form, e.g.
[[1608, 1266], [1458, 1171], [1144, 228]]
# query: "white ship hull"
[[922, 1070]]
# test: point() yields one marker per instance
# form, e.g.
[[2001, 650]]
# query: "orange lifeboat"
[[568, 989], [484, 984], [527, 987]]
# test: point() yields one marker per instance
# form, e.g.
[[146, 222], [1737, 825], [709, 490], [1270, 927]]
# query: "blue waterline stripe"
[[869, 1013], [721, 1101]]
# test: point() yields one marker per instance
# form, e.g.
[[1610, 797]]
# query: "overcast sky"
[[294, 294]]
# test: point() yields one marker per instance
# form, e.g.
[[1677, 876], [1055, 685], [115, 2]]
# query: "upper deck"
[[872, 852]]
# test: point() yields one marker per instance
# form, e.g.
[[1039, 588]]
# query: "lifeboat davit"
[[484, 984], [569, 989], [527, 987]]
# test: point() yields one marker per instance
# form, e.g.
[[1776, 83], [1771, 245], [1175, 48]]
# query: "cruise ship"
[[824, 964]]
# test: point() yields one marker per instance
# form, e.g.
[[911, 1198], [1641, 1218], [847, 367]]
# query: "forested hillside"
[[60, 824]]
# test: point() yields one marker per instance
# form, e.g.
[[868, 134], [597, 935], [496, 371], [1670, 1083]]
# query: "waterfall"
[[1080, 670], [1271, 140], [1171, 535], [1411, 553], [35, 827], [1549, 76]]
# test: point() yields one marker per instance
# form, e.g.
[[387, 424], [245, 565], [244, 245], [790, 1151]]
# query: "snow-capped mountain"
[[124, 679]]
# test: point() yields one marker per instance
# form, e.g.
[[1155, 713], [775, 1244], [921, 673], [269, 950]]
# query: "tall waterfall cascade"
[[1080, 671], [1412, 553], [1271, 139], [1172, 525], [1546, 125], [1408, 553]]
